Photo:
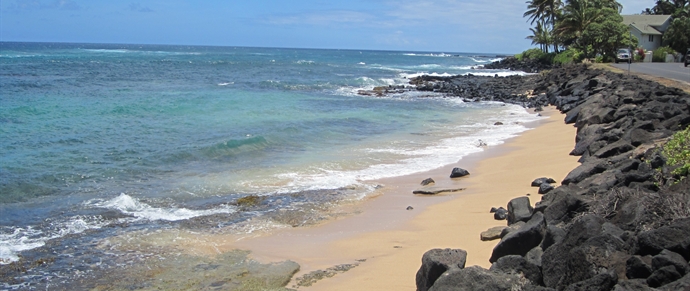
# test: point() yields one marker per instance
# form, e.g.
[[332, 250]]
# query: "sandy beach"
[[387, 241]]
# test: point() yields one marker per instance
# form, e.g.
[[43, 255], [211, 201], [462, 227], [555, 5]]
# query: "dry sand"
[[390, 240]]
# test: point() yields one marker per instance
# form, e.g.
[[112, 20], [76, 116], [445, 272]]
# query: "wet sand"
[[388, 241]]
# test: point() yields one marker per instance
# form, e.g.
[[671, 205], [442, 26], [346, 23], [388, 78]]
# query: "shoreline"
[[395, 238]]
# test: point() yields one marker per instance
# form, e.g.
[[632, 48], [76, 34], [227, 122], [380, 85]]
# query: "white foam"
[[303, 62], [16, 239], [419, 74], [225, 84], [446, 151], [500, 74], [441, 55], [129, 205]]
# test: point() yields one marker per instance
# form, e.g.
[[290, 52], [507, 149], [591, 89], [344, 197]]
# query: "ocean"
[[102, 139]]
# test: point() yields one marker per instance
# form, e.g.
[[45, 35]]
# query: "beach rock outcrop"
[[492, 233]]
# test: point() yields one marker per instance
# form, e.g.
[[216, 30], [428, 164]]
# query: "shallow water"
[[98, 140]]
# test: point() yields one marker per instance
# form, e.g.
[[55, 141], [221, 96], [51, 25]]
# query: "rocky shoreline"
[[619, 221]]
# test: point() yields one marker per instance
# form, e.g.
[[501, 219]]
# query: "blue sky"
[[410, 25]]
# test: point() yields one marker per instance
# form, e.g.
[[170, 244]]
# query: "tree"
[[544, 13], [677, 36], [606, 35], [541, 35]]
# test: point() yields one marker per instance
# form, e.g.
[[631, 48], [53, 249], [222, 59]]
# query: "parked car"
[[623, 55], [687, 57]]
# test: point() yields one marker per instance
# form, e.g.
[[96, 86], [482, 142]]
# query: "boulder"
[[601, 282], [633, 285], [637, 267], [539, 181], [492, 233], [459, 172], [511, 228], [570, 260], [437, 261], [565, 208], [545, 188], [681, 284], [519, 209], [534, 256], [428, 181], [475, 278], [584, 171], [514, 264], [669, 258], [663, 276], [521, 241], [553, 235], [501, 214], [674, 237]]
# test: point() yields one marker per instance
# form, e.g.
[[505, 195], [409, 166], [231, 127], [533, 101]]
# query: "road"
[[675, 71]]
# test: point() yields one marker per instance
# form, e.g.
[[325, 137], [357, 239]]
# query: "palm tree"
[[544, 11], [541, 35], [576, 17]]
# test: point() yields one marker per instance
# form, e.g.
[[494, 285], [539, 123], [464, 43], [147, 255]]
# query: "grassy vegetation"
[[677, 151]]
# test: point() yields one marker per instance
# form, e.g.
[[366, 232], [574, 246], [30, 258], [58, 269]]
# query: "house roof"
[[652, 20], [646, 29], [646, 24]]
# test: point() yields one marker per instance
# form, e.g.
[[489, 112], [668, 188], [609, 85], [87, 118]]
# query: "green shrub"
[[677, 152], [533, 54], [659, 55], [569, 56]]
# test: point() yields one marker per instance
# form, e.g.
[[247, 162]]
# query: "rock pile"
[[528, 66], [620, 220]]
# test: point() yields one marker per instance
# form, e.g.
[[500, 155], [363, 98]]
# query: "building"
[[648, 29]]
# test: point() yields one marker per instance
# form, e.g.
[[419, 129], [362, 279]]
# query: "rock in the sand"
[[501, 214], [521, 241], [435, 190], [519, 209], [409, 208], [436, 262], [493, 209], [492, 233], [538, 181], [459, 172], [428, 181], [545, 188], [498, 123]]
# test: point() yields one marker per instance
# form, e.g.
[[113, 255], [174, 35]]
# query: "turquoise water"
[[169, 133]]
